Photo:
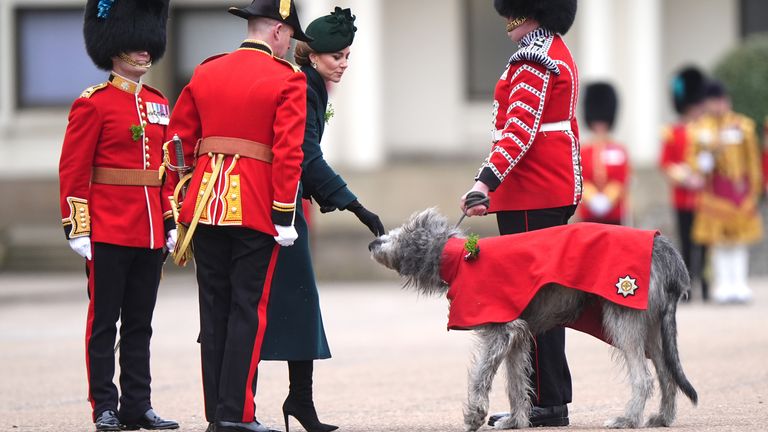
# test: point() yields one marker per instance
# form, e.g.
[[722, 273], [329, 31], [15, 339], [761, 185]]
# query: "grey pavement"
[[395, 367]]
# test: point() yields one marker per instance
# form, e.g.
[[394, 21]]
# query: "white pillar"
[[643, 99], [7, 29], [354, 136], [597, 40]]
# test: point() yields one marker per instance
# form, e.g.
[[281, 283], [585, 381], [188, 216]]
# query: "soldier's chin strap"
[[474, 199], [126, 58]]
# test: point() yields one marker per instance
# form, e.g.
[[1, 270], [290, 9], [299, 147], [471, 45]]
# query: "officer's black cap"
[[124, 26], [600, 103], [688, 88], [715, 89], [280, 10], [554, 15]]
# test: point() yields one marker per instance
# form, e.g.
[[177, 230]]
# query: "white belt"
[[564, 125]]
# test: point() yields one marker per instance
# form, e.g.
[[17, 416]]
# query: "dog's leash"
[[473, 199]]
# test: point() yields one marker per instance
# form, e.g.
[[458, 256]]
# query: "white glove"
[[82, 246], [706, 162], [286, 235], [600, 205], [170, 241]]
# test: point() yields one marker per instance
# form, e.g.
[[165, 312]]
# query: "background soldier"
[[242, 117], [111, 207], [533, 171], [688, 97], [726, 152], [605, 163]]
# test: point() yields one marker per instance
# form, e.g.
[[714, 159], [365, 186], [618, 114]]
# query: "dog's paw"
[[622, 423], [658, 420], [510, 422], [473, 419]]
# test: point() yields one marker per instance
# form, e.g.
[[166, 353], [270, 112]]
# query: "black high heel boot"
[[299, 403]]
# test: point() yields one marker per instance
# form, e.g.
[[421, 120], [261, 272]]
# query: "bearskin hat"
[[600, 103], [112, 27], [553, 15], [688, 88]]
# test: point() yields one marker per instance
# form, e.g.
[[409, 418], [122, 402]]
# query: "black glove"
[[327, 209], [369, 219]]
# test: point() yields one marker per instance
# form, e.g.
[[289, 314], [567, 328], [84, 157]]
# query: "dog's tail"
[[675, 286]]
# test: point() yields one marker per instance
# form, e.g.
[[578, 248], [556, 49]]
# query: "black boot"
[[299, 401]]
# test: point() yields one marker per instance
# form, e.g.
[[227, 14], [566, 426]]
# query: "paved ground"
[[395, 368]]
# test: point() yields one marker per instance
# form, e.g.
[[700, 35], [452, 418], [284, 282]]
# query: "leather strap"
[[126, 177], [235, 147]]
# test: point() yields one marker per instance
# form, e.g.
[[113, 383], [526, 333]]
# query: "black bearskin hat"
[[600, 103], [688, 88], [554, 15], [112, 27]]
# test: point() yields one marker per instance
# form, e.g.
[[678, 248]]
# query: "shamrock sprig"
[[472, 247], [137, 131], [329, 112]]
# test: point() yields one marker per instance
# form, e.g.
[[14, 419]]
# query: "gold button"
[[234, 197], [210, 155], [82, 210], [83, 225], [205, 181], [146, 156], [202, 193], [147, 164], [234, 184], [146, 148], [143, 123], [237, 156], [143, 114], [140, 100], [234, 209], [146, 139]]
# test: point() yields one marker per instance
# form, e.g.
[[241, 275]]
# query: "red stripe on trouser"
[[248, 408], [525, 213], [538, 372], [88, 332]]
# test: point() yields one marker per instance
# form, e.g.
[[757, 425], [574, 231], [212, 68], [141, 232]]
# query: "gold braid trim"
[[181, 253]]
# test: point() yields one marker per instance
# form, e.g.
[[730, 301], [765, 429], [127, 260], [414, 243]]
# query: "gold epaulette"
[[666, 134], [286, 62], [92, 89]]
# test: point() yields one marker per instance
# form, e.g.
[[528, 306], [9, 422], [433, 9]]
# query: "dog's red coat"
[[509, 270]]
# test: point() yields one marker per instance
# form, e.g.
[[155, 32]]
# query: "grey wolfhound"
[[416, 249]]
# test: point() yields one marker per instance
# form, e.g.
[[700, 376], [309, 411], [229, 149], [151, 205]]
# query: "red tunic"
[[611, 261], [251, 95], [601, 165], [673, 151], [530, 167], [99, 135]]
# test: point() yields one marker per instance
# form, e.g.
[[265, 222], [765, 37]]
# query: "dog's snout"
[[374, 244]]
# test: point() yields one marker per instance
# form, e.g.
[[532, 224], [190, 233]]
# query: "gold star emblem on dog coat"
[[626, 286]]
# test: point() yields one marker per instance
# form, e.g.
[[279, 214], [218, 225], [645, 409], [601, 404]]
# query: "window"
[[754, 16], [487, 48], [199, 34], [52, 66]]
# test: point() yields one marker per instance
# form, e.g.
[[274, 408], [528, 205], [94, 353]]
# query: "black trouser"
[[122, 284], [694, 254], [551, 378], [234, 269]]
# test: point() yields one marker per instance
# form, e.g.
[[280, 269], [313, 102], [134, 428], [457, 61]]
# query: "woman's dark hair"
[[301, 54]]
